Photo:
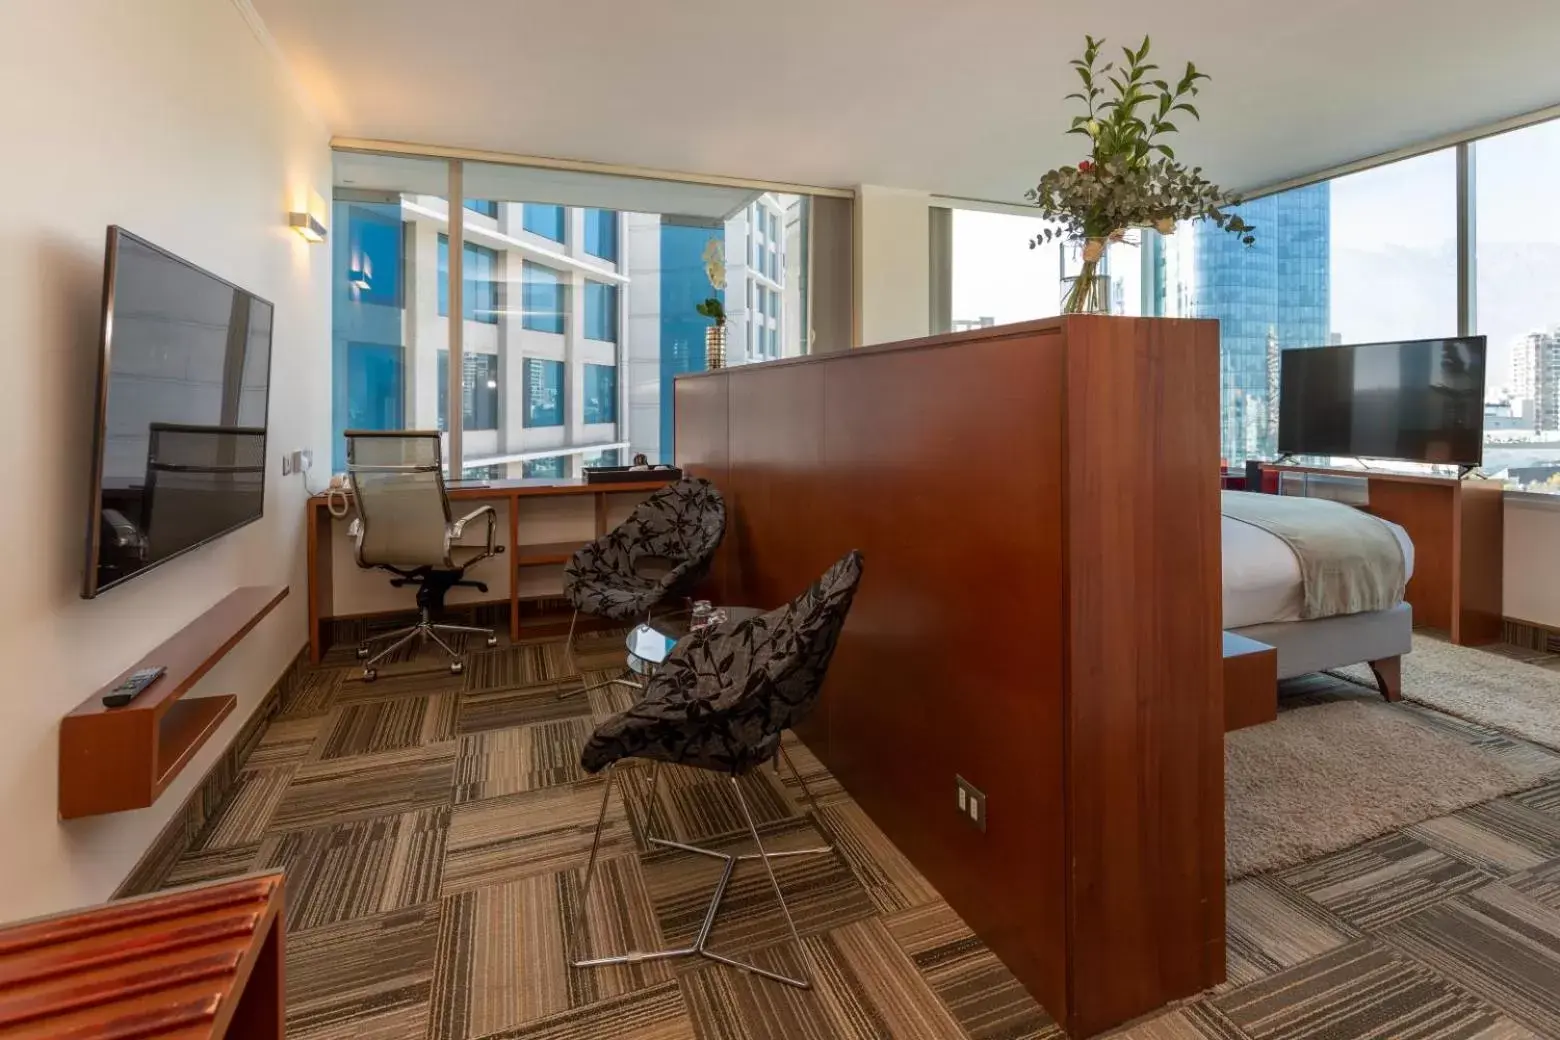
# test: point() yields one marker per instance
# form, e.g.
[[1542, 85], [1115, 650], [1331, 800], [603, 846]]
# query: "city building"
[[577, 321], [1269, 297], [1535, 379]]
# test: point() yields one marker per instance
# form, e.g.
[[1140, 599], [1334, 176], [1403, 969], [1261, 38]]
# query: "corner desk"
[[523, 548]]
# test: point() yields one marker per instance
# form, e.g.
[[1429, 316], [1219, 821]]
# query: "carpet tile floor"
[[435, 829]]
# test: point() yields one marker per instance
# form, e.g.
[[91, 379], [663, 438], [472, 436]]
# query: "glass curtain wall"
[[579, 297]]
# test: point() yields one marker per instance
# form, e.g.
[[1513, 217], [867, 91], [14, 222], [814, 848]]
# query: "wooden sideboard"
[[193, 964], [1038, 509], [1458, 530]]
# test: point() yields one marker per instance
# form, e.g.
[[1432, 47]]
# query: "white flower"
[[715, 263]]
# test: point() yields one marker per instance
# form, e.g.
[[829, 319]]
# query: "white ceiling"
[[958, 98]]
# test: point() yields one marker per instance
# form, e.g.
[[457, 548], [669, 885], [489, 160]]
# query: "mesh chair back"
[[200, 482], [398, 484]]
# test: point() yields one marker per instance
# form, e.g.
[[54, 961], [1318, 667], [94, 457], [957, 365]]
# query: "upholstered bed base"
[[1379, 638]]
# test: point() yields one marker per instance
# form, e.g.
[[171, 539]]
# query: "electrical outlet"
[[972, 802], [286, 465], [304, 461]]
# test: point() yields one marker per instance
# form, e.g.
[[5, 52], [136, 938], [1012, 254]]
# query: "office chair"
[[722, 702], [403, 526]]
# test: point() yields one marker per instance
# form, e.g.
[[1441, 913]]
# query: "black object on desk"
[[137, 681], [630, 475]]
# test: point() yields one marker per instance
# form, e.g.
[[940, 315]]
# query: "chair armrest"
[[458, 528]]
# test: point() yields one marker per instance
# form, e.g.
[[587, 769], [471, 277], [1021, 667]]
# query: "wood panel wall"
[[1038, 509]]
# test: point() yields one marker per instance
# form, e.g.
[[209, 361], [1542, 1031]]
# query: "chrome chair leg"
[[574, 669], [407, 637], [396, 634], [442, 645], [700, 947]]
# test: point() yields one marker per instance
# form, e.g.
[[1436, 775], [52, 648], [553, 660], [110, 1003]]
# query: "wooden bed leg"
[[1389, 677]]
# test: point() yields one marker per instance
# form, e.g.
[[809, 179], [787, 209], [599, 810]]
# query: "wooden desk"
[[1458, 528], [518, 550], [195, 964]]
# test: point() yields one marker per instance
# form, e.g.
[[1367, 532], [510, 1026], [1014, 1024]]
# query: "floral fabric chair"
[[661, 551]]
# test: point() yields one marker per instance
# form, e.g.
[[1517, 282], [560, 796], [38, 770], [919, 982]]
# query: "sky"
[[1394, 250]]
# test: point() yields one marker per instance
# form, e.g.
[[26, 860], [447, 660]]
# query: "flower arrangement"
[[715, 271], [1131, 177]]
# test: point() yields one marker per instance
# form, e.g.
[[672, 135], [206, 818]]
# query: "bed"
[[1265, 600]]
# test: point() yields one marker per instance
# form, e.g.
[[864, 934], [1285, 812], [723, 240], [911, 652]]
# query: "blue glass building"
[[684, 285], [1268, 297]]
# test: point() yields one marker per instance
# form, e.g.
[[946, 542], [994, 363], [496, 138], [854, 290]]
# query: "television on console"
[[184, 373], [1414, 401]]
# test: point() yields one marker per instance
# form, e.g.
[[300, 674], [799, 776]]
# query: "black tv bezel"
[[1481, 340], [90, 588]]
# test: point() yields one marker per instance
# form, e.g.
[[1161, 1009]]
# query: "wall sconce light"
[[310, 222]]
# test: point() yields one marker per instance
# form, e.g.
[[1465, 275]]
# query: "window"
[[542, 299], [479, 391], [480, 292], [600, 394], [997, 278], [482, 473], [552, 466], [601, 311], [543, 393], [610, 457], [547, 221], [601, 226], [486, 207], [1517, 251]]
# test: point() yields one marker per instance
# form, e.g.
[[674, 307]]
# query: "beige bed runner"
[[1349, 561]]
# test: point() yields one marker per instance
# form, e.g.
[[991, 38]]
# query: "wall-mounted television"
[[1415, 401], [183, 385]]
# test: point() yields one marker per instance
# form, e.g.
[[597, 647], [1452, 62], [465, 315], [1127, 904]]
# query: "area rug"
[[1494, 691], [1323, 778]]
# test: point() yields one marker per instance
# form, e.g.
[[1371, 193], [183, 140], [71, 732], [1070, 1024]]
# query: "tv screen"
[[1417, 401], [183, 386]]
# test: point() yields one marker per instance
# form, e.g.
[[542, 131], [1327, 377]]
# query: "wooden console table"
[[194, 964], [519, 553], [113, 759], [1458, 527]]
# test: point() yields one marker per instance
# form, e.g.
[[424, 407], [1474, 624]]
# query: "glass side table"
[[649, 643]]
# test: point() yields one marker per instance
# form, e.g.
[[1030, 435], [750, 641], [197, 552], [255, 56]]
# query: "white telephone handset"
[[336, 496]]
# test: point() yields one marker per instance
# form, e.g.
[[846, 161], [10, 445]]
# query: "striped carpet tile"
[[314, 693], [534, 832], [505, 950], [1542, 884], [367, 977], [1499, 837], [655, 1014], [693, 805], [1545, 799], [483, 710], [1380, 881], [491, 763], [985, 998], [246, 813], [367, 727], [1362, 991], [287, 741], [342, 871], [201, 865], [1270, 927], [365, 786], [1497, 943], [890, 880]]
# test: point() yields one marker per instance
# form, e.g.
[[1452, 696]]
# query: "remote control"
[[126, 691]]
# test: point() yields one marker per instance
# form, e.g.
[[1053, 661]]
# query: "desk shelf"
[[114, 759], [543, 553]]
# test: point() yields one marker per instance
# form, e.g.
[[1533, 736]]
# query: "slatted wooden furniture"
[[114, 759], [1250, 682], [194, 964], [1038, 505]]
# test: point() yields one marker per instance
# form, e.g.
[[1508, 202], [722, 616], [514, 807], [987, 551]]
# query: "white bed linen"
[[1262, 576]]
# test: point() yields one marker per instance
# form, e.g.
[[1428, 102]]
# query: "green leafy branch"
[[713, 309]]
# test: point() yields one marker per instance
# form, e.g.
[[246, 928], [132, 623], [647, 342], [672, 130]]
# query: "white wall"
[[893, 233], [1531, 553], [170, 118]]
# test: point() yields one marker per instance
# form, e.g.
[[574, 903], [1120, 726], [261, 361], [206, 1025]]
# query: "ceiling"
[[960, 99]]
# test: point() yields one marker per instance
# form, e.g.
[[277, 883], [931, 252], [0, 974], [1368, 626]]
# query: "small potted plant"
[[712, 308], [1131, 177]]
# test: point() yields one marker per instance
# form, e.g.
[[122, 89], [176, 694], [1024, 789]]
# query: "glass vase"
[[715, 347]]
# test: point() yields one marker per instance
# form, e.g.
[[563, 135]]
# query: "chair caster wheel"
[[492, 641], [362, 653], [369, 675], [456, 668]]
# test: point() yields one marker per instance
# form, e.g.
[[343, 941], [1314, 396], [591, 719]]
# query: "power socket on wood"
[[971, 802]]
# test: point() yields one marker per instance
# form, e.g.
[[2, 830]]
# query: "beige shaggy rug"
[[1516, 698], [1325, 777]]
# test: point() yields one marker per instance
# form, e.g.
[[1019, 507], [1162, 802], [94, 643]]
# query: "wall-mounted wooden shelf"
[[113, 759]]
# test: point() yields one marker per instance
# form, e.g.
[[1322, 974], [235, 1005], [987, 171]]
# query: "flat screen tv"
[[1415, 401], [179, 431]]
